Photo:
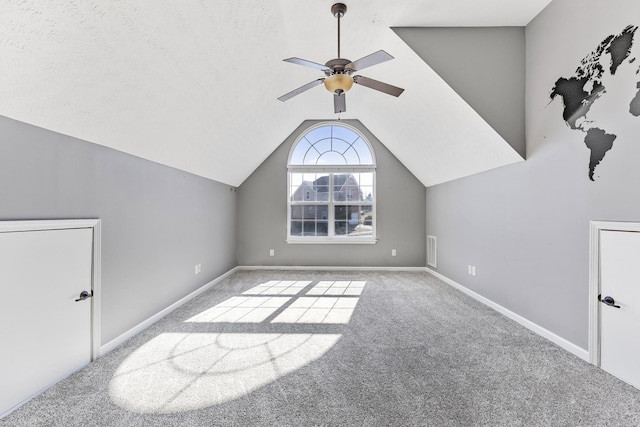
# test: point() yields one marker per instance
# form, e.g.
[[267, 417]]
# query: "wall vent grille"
[[432, 251]]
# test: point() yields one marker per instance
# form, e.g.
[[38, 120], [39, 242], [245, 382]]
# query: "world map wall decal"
[[580, 91]]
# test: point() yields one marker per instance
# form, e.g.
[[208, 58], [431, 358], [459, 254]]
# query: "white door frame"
[[594, 280], [94, 224]]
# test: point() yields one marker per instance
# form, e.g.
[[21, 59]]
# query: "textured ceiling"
[[193, 83]]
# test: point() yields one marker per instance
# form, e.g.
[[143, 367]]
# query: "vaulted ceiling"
[[193, 84]]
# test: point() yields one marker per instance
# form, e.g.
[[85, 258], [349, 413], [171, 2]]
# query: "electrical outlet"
[[272, 252], [198, 269], [393, 252]]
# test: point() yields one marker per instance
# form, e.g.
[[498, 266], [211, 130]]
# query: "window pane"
[[309, 187], [319, 133], [321, 187], [309, 220], [340, 224], [308, 228], [295, 179], [322, 146], [365, 178], [310, 177], [296, 228], [340, 146], [332, 158], [311, 157], [365, 225], [341, 228], [352, 157], [299, 187], [353, 220], [346, 188], [363, 152], [339, 181], [298, 154], [345, 134], [367, 194], [365, 187]]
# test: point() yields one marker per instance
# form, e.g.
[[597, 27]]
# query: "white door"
[[620, 309], [44, 333]]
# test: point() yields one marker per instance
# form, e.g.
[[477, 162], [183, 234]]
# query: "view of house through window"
[[331, 186]]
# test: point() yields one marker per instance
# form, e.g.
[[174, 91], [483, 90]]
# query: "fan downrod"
[[338, 10]]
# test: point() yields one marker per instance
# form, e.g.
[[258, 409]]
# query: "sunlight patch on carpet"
[[177, 372], [241, 310]]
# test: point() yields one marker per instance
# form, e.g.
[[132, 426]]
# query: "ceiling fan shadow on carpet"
[[338, 71]]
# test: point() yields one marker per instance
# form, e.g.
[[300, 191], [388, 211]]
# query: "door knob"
[[84, 295], [608, 301]]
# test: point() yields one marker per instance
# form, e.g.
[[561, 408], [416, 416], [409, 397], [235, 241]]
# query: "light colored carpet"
[[291, 348]]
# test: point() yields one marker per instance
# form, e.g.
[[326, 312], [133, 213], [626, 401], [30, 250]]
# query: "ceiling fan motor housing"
[[338, 66], [339, 78]]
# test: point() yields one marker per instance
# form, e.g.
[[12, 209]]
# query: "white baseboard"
[[328, 268], [104, 349], [567, 345], [563, 343]]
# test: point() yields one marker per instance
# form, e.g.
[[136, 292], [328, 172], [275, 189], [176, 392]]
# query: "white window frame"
[[331, 170]]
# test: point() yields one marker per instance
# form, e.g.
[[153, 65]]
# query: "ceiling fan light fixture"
[[338, 82]]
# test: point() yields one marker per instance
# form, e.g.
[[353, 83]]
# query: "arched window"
[[331, 186]]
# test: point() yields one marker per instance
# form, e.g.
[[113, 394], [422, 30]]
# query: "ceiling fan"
[[338, 71]]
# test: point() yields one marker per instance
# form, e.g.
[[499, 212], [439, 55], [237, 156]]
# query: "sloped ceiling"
[[487, 71], [193, 84]]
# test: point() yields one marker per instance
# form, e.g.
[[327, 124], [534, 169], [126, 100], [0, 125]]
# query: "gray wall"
[[485, 66], [262, 216], [526, 226], [157, 222]]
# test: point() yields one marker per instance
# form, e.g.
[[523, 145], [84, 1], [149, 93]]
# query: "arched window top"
[[331, 144]]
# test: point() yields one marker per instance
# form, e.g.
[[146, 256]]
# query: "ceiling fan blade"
[[307, 64], [380, 86], [369, 60], [339, 103], [301, 89]]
